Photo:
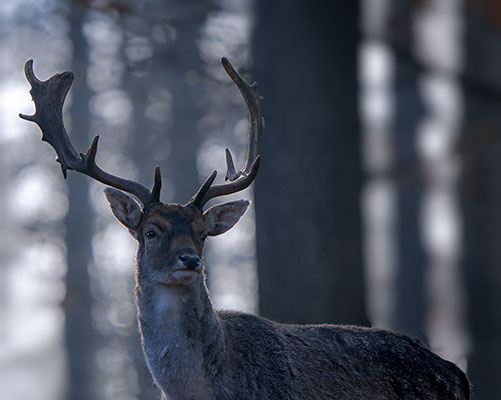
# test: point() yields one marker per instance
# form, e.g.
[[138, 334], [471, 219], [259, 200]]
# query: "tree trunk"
[[481, 194], [170, 143], [79, 334], [308, 191], [409, 312]]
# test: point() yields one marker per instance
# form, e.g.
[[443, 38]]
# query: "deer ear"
[[222, 217], [125, 209]]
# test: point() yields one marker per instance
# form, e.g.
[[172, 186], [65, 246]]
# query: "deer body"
[[197, 353], [194, 352]]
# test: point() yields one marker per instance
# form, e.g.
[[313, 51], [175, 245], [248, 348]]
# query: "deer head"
[[170, 236]]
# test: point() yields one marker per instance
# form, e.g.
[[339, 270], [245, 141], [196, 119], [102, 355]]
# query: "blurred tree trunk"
[[481, 194], [187, 110], [171, 142], [308, 191], [137, 150], [79, 334], [409, 312]]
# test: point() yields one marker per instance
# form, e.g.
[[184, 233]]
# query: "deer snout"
[[190, 261]]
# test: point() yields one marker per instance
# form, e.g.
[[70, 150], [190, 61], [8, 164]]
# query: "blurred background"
[[377, 202]]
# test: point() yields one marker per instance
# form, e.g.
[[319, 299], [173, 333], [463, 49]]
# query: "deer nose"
[[191, 262]]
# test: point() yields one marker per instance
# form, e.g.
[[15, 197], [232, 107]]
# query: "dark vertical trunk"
[[187, 108], [79, 333], [173, 143], [409, 110], [481, 195], [308, 192]]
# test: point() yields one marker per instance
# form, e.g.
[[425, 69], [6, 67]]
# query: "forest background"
[[378, 200]]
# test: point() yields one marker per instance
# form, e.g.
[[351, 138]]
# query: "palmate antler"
[[49, 98]]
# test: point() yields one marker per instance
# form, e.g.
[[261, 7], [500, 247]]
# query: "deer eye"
[[150, 235]]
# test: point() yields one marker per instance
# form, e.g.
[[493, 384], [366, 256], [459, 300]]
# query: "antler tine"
[[243, 178], [30, 76], [49, 98], [197, 199], [157, 185]]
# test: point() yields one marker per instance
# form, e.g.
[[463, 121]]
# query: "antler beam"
[[49, 98], [243, 178]]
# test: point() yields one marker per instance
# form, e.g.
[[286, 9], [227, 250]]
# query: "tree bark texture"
[[480, 148], [308, 192]]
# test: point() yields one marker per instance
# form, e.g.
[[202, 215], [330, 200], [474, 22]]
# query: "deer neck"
[[182, 336]]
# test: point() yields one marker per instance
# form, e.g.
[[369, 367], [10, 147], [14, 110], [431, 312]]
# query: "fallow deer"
[[195, 352]]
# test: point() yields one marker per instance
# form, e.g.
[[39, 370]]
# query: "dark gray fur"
[[197, 353]]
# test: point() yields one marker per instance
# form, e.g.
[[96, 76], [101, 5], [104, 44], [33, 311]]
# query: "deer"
[[197, 353]]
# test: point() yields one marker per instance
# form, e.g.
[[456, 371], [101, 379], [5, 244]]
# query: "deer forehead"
[[173, 217]]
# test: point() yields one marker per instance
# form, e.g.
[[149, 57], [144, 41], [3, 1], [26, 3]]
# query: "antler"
[[49, 98], [243, 178]]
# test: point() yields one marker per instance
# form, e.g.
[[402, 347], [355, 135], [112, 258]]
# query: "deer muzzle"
[[192, 262]]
